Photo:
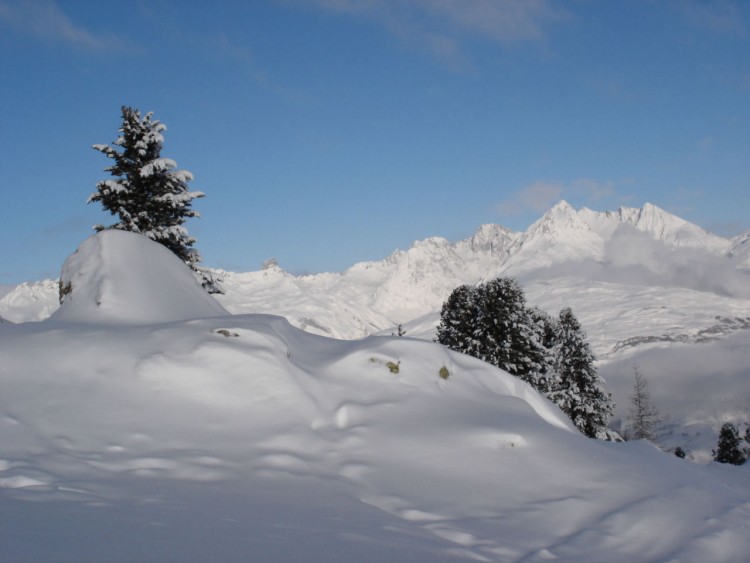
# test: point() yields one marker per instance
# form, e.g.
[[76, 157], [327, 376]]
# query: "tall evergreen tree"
[[579, 391], [729, 448], [643, 416], [148, 194], [546, 329], [458, 320], [505, 334]]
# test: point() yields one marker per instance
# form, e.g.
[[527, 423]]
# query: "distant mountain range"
[[645, 247]]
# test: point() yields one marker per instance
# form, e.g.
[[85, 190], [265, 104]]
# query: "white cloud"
[[632, 257], [722, 17], [440, 26], [503, 21], [540, 196], [45, 20], [537, 197], [591, 190]]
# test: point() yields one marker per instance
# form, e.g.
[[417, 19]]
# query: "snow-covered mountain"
[[140, 426], [30, 301]]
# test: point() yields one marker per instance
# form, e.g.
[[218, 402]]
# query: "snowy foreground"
[[141, 422]]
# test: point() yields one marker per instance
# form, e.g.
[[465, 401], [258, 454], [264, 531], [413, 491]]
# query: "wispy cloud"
[[722, 17], [441, 27], [502, 21], [225, 47], [538, 197], [72, 225], [44, 19]]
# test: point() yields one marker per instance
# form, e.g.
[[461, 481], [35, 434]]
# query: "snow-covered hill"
[[240, 437]]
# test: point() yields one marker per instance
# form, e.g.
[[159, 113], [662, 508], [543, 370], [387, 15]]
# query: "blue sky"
[[326, 132]]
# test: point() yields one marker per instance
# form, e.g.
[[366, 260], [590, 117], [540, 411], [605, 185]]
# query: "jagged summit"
[[559, 221], [491, 238]]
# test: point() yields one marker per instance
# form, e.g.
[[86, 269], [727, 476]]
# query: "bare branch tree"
[[643, 417]]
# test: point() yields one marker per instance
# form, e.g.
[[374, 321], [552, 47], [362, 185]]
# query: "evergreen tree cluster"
[[729, 448], [492, 322]]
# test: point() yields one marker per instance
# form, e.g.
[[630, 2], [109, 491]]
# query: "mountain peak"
[[560, 218], [562, 206]]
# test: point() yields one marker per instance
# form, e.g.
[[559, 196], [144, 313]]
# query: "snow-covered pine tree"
[[579, 391], [458, 320], [547, 330], [507, 332], [148, 194], [491, 322], [729, 448], [643, 416]]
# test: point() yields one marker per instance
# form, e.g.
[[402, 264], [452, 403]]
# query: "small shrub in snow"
[[444, 373], [63, 290], [394, 367], [227, 333]]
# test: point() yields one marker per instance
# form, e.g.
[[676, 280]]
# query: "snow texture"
[[242, 438]]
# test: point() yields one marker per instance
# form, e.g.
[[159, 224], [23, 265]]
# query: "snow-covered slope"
[[236, 438]]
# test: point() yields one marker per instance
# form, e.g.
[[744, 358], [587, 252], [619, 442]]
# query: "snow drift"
[[123, 277]]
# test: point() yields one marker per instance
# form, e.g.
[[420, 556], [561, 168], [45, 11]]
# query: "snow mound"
[[122, 277]]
